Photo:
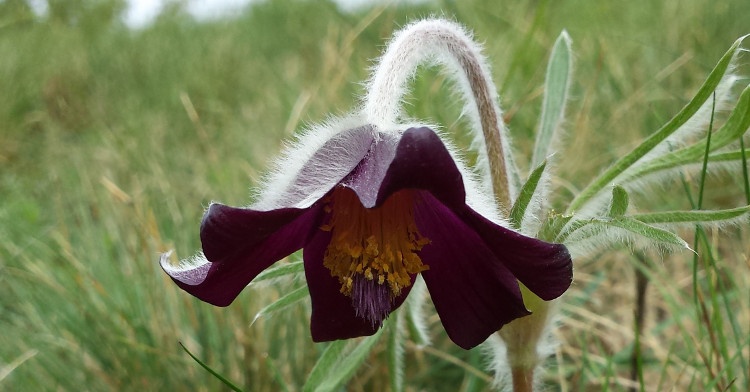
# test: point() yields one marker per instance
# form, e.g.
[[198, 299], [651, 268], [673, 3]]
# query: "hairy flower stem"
[[523, 379], [521, 337], [448, 44]]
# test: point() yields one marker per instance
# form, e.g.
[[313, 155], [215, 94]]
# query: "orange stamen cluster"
[[379, 244]]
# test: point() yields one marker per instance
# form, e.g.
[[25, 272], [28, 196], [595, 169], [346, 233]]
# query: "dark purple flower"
[[371, 210]]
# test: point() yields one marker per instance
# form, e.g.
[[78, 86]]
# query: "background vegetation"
[[112, 141]]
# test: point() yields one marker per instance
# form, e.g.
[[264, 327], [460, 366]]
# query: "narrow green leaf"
[[727, 156], [348, 364], [735, 126], [745, 176], [620, 201], [395, 350], [325, 365], [553, 226], [654, 233], [518, 211], [213, 372], [280, 270], [691, 216], [705, 91], [415, 313], [627, 223], [287, 300], [556, 90]]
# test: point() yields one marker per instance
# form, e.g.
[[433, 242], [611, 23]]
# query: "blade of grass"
[[746, 180], [213, 372], [715, 324]]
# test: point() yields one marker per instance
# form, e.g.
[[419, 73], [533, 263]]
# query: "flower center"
[[373, 252]]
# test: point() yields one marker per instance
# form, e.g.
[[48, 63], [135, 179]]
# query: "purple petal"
[[240, 243], [422, 162], [473, 292], [544, 268], [333, 315], [327, 167], [366, 178], [416, 159]]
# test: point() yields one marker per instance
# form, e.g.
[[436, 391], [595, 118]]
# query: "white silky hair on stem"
[[437, 41], [426, 41], [496, 351]]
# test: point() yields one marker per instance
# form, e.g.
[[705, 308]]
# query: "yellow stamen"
[[380, 244]]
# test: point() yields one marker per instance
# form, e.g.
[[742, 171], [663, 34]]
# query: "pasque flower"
[[372, 209]]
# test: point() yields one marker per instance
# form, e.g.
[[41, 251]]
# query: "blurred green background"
[[112, 141]]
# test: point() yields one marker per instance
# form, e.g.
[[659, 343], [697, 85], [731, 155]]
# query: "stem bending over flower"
[[374, 203], [447, 43]]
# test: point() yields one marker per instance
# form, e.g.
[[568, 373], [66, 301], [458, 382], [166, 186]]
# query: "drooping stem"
[[444, 42]]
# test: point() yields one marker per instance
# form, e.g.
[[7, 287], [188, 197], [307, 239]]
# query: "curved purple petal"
[[544, 268], [420, 160], [423, 162], [473, 292], [333, 161], [333, 315], [366, 178], [416, 159], [239, 243]]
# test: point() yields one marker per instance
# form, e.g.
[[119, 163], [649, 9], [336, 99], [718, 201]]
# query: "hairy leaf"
[[620, 202], [518, 211], [705, 91], [692, 217], [556, 90], [280, 270], [287, 300]]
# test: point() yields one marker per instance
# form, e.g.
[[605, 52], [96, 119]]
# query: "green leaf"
[[620, 202], [395, 350], [632, 225], [336, 368], [415, 313], [745, 175], [556, 90], [325, 365], [213, 372], [553, 226], [518, 211], [289, 299], [735, 126], [654, 233], [708, 87], [692, 217], [726, 156], [280, 270]]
